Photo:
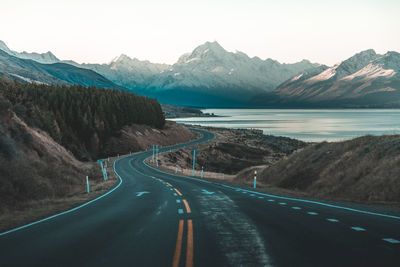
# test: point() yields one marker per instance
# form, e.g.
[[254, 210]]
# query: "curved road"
[[159, 219]]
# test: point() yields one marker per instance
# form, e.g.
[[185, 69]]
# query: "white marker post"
[[194, 159], [157, 155], [176, 170], [202, 169], [87, 184], [255, 179], [152, 159], [105, 174]]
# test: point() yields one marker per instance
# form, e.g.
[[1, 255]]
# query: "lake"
[[306, 124]]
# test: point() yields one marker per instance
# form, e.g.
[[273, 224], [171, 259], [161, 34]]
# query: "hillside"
[[31, 71], [40, 175], [81, 119], [365, 80], [365, 169]]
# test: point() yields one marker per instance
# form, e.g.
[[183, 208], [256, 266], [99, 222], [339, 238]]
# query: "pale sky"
[[96, 31]]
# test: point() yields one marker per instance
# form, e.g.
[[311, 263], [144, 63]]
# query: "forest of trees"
[[79, 117]]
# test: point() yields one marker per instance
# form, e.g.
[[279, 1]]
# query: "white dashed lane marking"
[[391, 240], [312, 213], [175, 194], [260, 197], [332, 220], [356, 228], [271, 200], [180, 211], [282, 203], [178, 201], [296, 208], [252, 195]]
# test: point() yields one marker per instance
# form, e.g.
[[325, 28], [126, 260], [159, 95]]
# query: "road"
[[159, 219]]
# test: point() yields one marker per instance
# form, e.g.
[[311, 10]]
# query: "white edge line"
[[70, 210], [275, 196]]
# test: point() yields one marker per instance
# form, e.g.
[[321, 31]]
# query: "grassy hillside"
[[81, 119], [365, 169]]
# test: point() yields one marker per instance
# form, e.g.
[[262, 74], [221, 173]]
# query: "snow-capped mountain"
[[128, 72], [209, 75], [45, 58], [367, 79], [30, 71], [212, 76]]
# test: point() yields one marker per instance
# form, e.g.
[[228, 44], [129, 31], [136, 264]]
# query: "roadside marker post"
[[255, 179], [157, 155], [87, 184], [103, 170], [105, 174], [176, 170], [194, 159], [152, 159], [202, 169]]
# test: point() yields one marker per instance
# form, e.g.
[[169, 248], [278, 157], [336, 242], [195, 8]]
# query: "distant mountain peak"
[[5, 48], [121, 58], [355, 63]]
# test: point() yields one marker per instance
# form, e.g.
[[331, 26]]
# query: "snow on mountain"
[[210, 69], [5, 48], [366, 79], [128, 72], [45, 58]]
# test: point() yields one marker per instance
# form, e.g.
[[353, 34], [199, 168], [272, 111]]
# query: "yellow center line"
[[178, 248], [169, 184], [189, 247], [179, 193], [187, 206]]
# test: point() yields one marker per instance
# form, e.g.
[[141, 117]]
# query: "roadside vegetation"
[[82, 119], [364, 169], [50, 135]]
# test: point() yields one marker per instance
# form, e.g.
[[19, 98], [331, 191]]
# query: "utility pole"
[[194, 159]]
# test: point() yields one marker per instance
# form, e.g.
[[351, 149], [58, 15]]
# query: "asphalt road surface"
[[158, 219]]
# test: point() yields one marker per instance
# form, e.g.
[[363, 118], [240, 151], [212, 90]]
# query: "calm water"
[[305, 124]]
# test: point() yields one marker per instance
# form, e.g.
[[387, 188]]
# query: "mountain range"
[[367, 79], [210, 76], [15, 66]]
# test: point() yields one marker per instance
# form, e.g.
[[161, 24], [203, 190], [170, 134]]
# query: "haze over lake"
[[306, 124]]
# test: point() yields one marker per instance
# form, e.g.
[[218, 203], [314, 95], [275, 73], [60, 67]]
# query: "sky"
[[96, 31]]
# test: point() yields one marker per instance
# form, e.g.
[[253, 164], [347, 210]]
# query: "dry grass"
[[233, 151], [365, 169]]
